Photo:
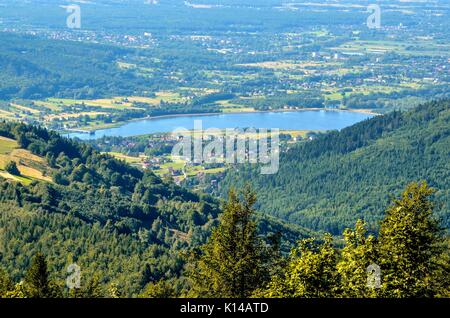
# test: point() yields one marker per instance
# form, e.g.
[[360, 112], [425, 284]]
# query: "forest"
[[134, 234], [330, 182], [408, 257], [36, 68], [127, 225]]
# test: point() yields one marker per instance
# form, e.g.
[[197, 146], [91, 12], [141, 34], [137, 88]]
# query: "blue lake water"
[[289, 120]]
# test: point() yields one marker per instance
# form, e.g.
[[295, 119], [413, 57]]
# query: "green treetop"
[[233, 261]]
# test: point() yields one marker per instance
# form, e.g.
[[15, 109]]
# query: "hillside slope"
[[328, 183], [31, 167], [113, 220], [36, 68]]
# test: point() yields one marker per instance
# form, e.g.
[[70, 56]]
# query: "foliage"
[[91, 289], [11, 167], [5, 283], [359, 252], [59, 68], [130, 224], [37, 281], [410, 253], [233, 262], [310, 273], [159, 289], [410, 240]]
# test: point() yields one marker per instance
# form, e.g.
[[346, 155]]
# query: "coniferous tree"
[[146, 275], [232, 263], [92, 289], [114, 291], [37, 279], [18, 291], [6, 284], [11, 167]]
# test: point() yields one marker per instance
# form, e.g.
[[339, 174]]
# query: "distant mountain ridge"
[[328, 183]]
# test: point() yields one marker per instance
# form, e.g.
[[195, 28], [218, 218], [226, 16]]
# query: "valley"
[[232, 149], [287, 65]]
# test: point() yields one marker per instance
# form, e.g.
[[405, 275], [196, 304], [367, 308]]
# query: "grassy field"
[[336, 94], [31, 167], [176, 164], [227, 106], [165, 96], [25, 109], [115, 103], [421, 47], [297, 133], [195, 170], [65, 113], [276, 65], [21, 179], [333, 95], [7, 115], [7, 145], [73, 115], [127, 159]]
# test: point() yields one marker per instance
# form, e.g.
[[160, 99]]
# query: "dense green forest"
[[330, 182], [126, 225], [35, 68], [407, 258]]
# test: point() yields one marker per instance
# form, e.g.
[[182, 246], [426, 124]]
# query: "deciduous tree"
[[410, 245], [358, 254]]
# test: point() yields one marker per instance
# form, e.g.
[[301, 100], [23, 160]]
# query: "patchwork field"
[[31, 167], [421, 46], [128, 159]]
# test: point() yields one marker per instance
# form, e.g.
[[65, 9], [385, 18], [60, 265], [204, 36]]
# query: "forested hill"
[[330, 182], [126, 226], [36, 68]]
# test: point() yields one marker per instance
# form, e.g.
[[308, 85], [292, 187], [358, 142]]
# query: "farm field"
[[128, 159], [417, 47], [350, 72], [31, 167]]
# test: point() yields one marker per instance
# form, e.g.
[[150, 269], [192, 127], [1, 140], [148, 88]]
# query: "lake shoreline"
[[115, 125]]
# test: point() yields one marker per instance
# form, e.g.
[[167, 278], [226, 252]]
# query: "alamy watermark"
[[73, 281], [373, 276], [229, 146], [374, 19], [73, 20]]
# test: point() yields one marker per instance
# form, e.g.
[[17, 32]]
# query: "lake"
[[289, 120]]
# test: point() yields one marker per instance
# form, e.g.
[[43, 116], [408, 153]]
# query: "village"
[[154, 152]]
